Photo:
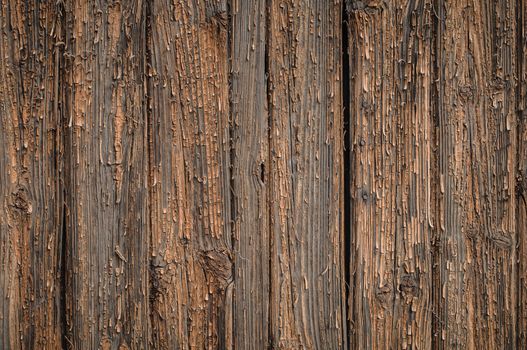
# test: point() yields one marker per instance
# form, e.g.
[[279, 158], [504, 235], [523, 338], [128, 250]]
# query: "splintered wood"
[[263, 174]]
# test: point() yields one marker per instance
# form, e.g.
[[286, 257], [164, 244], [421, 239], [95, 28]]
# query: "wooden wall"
[[263, 174]]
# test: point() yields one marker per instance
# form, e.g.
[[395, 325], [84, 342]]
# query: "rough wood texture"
[[390, 173], [174, 174], [307, 275], [250, 175], [521, 174], [191, 252], [106, 171], [30, 177], [476, 230]]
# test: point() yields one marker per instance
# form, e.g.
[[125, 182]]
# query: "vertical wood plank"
[[191, 257], [521, 185], [108, 293], [476, 231], [30, 177], [306, 145], [250, 175], [391, 217]]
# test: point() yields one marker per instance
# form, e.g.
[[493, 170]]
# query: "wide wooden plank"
[[106, 171], [475, 267], [305, 176], [191, 255], [390, 131], [30, 177], [250, 174]]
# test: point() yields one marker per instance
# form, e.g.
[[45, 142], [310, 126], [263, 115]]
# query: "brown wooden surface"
[[521, 173], [254, 174], [250, 174], [104, 118], [476, 236], [31, 260], [391, 219], [307, 272]]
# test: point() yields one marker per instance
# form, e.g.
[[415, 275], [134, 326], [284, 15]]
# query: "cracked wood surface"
[[106, 175], [390, 130], [306, 175], [475, 272], [30, 177], [174, 174]]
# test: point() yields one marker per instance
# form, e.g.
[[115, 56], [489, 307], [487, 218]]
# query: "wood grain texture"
[[521, 174], [250, 174], [306, 145], [191, 252], [476, 231], [174, 174], [391, 217], [30, 176], [105, 123]]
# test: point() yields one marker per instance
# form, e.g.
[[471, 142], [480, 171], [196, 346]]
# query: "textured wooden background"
[[263, 174]]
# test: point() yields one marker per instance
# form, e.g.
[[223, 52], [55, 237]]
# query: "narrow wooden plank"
[[476, 231], [250, 174], [191, 257], [30, 179], [521, 185], [107, 282], [391, 217], [306, 145]]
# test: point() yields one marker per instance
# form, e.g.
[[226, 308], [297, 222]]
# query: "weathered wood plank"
[[305, 177], [521, 181], [390, 130], [191, 262], [30, 176], [250, 184], [476, 230], [105, 122]]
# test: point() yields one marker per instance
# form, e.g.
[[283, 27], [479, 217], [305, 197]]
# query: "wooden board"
[[521, 173], [250, 174], [31, 260], [475, 265], [305, 177], [191, 252], [107, 299], [390, 171]]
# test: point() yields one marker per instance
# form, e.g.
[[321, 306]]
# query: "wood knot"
[[216, 14], [472, 234], [364, 195], [20, 202], [161, 274], [217, 264], [384, 294], [501, 239], [409, 285], [497, 83], [367, 105], [466, 93]]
